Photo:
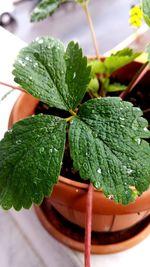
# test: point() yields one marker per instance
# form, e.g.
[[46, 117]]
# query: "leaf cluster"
[[101, 71], [106, 135]]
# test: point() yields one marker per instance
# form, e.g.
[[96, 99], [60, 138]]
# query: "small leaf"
[[44, 9], [115, 87], [97, 66], [56, 77], [120, 59], [146, 11], [30, 160], [77, 75], [107, 147], [93, 86]]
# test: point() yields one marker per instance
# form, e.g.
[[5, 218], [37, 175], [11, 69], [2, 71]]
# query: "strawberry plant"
[[106, 135]]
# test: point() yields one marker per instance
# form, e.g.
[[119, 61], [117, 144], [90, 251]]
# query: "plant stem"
[[72, 112], [95, 43], [146, 110], [11, 86], [88, 226], [136, 79], [69, 118]]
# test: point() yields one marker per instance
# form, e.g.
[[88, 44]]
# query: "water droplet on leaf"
[[129, 171], [111, 197], [138, 140], [42, 149], [40, 41], [99, 171], [27, 58], [97, 185], [18, 142]]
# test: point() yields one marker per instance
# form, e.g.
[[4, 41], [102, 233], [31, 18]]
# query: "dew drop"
[[95, 135], [40, 41], [74, 75], [122, 119], [138, 140], [97, 185], [41, 149], [145, 129], [18, 142], [35, 65], [111, 197], [27, 58], [129, 171], [21, 63], [99, 171]]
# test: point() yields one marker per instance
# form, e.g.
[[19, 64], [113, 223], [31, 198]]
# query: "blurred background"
[[110, 18]]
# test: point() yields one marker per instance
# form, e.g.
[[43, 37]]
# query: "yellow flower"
[[135, 16]]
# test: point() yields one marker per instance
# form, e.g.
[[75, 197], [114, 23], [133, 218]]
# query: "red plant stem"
[[88, 226], [136, 79], [11, 86]]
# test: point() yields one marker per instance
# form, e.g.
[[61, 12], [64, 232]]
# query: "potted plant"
[[104, 136]]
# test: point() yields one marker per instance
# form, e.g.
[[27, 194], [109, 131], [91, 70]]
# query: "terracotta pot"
[[69, 197]]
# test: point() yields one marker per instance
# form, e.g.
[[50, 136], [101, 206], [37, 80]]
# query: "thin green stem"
[[69, 118], [95, 43], [72, 112], [146, 110]]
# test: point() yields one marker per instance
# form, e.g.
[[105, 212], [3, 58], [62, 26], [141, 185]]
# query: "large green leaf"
[[119, 59], [146, 11], [107, 147], [45, 8], [56, 77], [30, 160]]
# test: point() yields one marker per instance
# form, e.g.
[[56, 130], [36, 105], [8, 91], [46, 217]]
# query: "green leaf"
[[44, 9], [93, 86], [120, 59], [97, 66], [56, 77], [107, 147], [30, 160], [146, 11], [115, 87]]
